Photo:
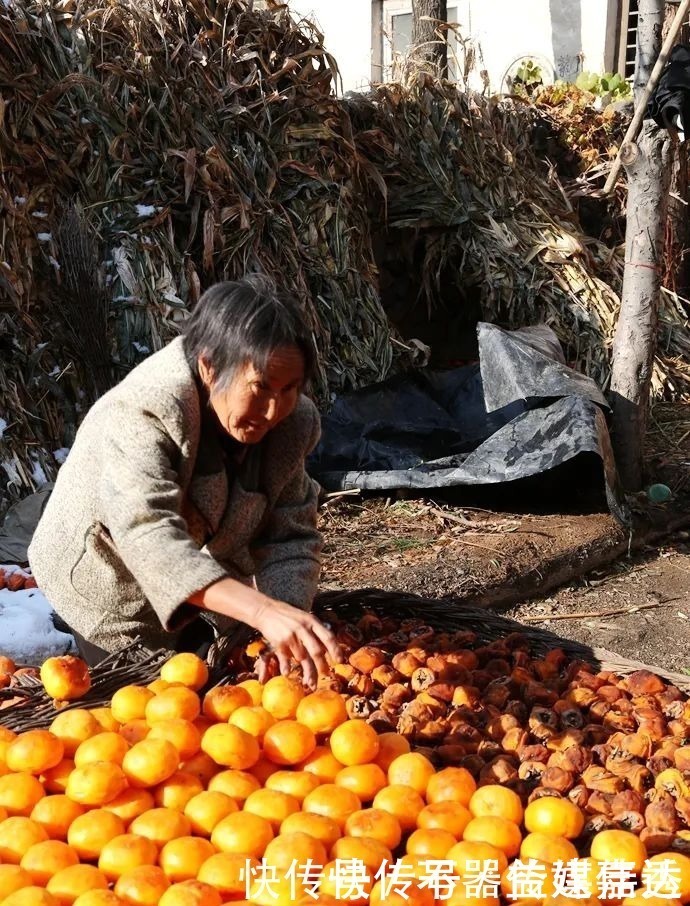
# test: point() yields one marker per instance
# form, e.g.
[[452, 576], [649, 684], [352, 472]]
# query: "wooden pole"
[[641, 105]]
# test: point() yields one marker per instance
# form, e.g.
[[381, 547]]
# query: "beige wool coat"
[[143, 513]]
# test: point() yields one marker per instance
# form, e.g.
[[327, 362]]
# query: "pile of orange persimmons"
[[266, 794]]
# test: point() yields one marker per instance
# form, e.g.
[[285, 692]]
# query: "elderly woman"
[[184, 500]]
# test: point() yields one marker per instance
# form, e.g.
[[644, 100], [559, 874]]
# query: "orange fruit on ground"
[[130, 803], [643, 896], [65, 678], [323, 764], [243, 832], [322, 711], [175, 702], [281, 697], [89, 833], [55, 814], [43, 860], [221, 702], [618, 845], [181, 733], [129, 703], [227, 873], [202, 765], [74, 880], [19, 793], [101, 746], [354, 742], [679, 865], [30, 896], [446, 815], [231, 747], [467, 854], [185, 668], [411, 896], [451, 785], [190, 893], [254, 688], [106, 720], [160, 685], [300, 848], [17, 836], [134, 731], [551, 815], [55, 780], [263, 769], [365, 780], [96, 784], [206, 809], [177, 790], [12, 878], [370, 852], [287, 742], [549, 848], [142, 886], [35, 751], [161, 825], [98, 898], [432, 844], [495, 800], [72, 727], [236, 784], [150, 762], [531, 886], [499, 832], [391, 745], [375, 824], [402, 802], [272, 805], [463, 895], [317, 826], [295, 783], [123, 853], [252, 719], [413, 770], [332, 801], [351, 887], [182, 858]]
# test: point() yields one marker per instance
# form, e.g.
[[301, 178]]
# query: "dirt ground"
[[579, 574], [637, 606]]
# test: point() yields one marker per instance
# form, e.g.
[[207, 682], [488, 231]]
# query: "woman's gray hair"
[[243, 322]]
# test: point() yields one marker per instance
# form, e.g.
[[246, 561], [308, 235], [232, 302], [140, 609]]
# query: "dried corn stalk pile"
[[175, 144]]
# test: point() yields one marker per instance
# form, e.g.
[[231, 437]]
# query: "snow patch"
[[38, 475], [27, 630], [18, 199], [60, 455], [44, 237], [10, 467], [141, 348], [3, 427]]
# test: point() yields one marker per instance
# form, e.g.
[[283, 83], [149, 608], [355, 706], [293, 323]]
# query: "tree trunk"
[[648, 169], [429, 46]]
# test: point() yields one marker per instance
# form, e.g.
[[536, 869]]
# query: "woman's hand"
[[294, 635]]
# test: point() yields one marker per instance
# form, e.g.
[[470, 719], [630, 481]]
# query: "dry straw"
[[150, 148]]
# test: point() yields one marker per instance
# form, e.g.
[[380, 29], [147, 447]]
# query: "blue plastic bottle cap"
[[659, 493]]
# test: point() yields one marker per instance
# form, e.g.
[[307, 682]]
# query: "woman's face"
[[257, 400]]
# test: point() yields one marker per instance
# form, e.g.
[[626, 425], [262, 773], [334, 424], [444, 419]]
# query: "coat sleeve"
[[141, 500], [288, 554]]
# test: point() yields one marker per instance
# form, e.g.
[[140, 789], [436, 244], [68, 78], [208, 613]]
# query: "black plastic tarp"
[[520, 412]]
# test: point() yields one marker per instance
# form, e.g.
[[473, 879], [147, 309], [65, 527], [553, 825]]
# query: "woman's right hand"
[[295, 635]]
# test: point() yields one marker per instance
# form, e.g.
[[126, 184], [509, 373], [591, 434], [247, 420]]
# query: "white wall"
[[553, 32], [346, 25]]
